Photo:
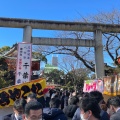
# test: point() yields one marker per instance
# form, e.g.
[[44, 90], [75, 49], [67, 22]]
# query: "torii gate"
[[96, 28]]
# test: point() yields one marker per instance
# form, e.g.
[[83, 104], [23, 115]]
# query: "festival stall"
[[109, 86]]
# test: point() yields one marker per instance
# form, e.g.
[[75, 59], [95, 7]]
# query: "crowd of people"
[[57, 104]]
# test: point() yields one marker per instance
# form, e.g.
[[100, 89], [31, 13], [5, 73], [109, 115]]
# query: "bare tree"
[[68, 63], [111, 41], [75, 71]]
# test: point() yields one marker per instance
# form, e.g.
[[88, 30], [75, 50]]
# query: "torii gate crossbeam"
[[63, 42], [96, 28], [58, 25]]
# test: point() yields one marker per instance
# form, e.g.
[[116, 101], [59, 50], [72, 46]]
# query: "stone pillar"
[[27, 34], [99, 62]]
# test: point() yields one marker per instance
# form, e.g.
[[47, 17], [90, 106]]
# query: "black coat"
[[53, 114], [70, 110], [104, 115], [62, 102], [9, 117], [45, 103]]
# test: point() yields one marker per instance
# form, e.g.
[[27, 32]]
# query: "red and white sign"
[[23, 69], [93, 85]]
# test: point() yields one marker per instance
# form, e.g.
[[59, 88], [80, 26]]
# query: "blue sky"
[[60, 10]]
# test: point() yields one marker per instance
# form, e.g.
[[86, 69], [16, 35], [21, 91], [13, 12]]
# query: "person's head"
[[33, 111], [67, 94], [55, 103], [97, 95], [114, 103], [74, 93], [89, 109], [31, 97], [108, 103], [19, 106], [86, 94], [57, 93], [103, 106], [109, 111], [74, 100]]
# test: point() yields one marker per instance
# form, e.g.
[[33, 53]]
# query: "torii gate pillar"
[[27, 34], [99, 62]]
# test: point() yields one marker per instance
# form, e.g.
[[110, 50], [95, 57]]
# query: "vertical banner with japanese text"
[[23, 66]]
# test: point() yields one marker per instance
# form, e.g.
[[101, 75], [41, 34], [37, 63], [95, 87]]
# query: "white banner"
[[23, 66], [93, 85]]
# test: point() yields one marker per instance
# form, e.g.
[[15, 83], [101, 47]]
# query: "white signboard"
[[23, 69], [93, 85]]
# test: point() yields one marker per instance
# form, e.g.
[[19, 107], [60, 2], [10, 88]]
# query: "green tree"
[[39, 56], [55, 76], [76, 77], [6, 77], [4, 49]]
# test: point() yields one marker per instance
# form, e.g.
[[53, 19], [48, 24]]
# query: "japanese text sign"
[[23, 69], [93, 85], [10, 94]]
